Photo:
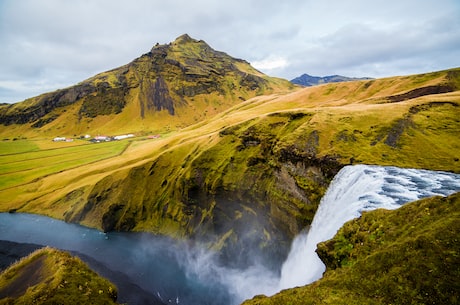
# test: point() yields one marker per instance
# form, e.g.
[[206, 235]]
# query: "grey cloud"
[[370, 51], [63, 42]]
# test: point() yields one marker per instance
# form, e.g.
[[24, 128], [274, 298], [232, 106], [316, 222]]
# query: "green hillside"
[[241, 159], [49, 276], [265, 162], [405, 256]]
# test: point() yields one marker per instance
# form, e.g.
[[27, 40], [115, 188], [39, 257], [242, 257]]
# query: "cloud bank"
[[51, 44]]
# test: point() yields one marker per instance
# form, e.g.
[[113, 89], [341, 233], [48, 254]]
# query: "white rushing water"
[[355, 189], [168, 272]]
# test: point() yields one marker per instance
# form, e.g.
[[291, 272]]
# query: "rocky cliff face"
[[249, 188]]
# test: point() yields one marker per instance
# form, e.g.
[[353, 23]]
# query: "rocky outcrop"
[[158, 97], [36, 108], [403, 125], [418, 92]]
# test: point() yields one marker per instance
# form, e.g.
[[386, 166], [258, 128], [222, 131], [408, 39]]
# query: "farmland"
[[23, 161]]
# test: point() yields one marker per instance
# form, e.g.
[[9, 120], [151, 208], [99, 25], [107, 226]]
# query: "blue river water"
[[171, 272], [158, 265]]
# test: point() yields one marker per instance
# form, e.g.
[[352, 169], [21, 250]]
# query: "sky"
[[50, 44]]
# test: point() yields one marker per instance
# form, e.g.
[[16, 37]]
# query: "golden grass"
[[352, 120]]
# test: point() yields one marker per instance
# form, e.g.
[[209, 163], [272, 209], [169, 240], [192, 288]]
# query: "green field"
[[17, 146], [22, 161]]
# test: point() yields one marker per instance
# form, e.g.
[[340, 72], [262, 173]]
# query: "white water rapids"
[[157, 270], [355, 189]]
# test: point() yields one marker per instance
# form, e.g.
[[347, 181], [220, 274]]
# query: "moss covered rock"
[[49, 276]]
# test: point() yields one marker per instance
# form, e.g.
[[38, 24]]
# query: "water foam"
[[356, 189], [175, 272]]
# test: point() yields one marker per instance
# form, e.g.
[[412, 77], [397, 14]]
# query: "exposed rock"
[[43, 104], [106, 101], [402, 125], [397, 131], [437, 89], [160, 98]]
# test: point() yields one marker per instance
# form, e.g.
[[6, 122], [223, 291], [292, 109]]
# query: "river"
[[152, 269]]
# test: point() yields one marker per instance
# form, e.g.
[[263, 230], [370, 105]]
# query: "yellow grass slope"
[[410, 121]]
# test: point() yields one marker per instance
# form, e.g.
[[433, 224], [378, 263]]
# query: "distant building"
[[101, 138], [124, 136], [62, 139]]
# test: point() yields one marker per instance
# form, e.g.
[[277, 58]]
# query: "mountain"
[[251, 175], [309, 80], [404, 256], [241, 159], [170, 87]]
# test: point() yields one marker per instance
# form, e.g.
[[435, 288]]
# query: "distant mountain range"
[[309, 80]]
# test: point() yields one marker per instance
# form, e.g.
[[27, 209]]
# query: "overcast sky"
[[51, 44]]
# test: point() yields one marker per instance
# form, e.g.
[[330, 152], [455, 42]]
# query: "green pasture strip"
[[15, 147], [52, 152], [17, 172], [47, 161], [18, 162]]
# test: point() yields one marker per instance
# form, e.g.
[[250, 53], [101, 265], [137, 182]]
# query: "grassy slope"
[[405, 256], [49, 276], [271, 156], [200, 81], [19, 168]]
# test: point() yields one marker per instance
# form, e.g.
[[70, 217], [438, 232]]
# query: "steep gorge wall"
[[248, 188], [259, 182]]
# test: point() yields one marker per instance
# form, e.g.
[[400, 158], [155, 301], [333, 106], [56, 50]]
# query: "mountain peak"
[[184, 38], [179, 77]]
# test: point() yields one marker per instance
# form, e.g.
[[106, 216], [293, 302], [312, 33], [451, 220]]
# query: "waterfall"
[[355, 189], [148, 266]]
